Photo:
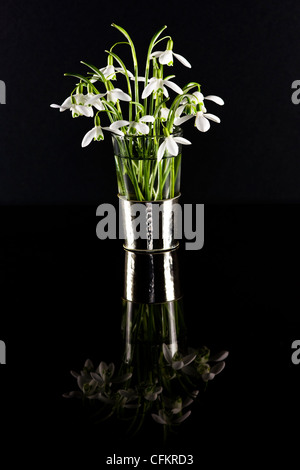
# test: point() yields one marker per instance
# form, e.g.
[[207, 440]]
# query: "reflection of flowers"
[[156, 381], [177, 362], [95, 383], [168, 418], [202, 366]]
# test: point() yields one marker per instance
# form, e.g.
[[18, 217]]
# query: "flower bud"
[[79, 90], [97, 121], [170, 45]]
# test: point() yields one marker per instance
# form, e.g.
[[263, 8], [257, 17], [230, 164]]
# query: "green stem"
[[147, 69], [135, 62]]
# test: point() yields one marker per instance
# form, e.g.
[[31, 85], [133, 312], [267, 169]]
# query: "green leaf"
[[156, 111], [117, 43], [85, 79], [161, 39], [169, 77], [124, 32], [139, 105], [95, 69], [81, 77], [117, 58], [156, 35], [191, 85]]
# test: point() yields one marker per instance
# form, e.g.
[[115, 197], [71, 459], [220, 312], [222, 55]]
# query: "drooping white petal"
[[212, 117], [121, 70], [117, 94], [106, 70], [89, 136], [171, 145], [66, 104], [115, 131], [147, 118], [156, 54], [199, 97], [216, 99], [57, 106], [164, 112], [149, 88], [182, 60], [84, 110], [94, 98], [115, 126], [201, 122], [161, 151], [182, 140], [94, 78], [99, 105], [139, 79], [118, 124], [80, 98], [181, 120], [180, 109], [166, 58], [165, 91], [142, 128], [173, 86]]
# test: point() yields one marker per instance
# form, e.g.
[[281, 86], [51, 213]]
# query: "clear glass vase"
[[140, 176]]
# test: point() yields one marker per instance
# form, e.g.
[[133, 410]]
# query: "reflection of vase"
[[152, 306], [145, 327], [151, 277]]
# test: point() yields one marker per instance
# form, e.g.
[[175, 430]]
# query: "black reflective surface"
[[61, 291]]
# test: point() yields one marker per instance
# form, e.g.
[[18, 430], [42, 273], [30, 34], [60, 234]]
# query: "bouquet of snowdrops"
[[144, 121]]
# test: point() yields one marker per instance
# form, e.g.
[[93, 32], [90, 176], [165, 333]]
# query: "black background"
[[246, 52], [61, 303], [61, 286]]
